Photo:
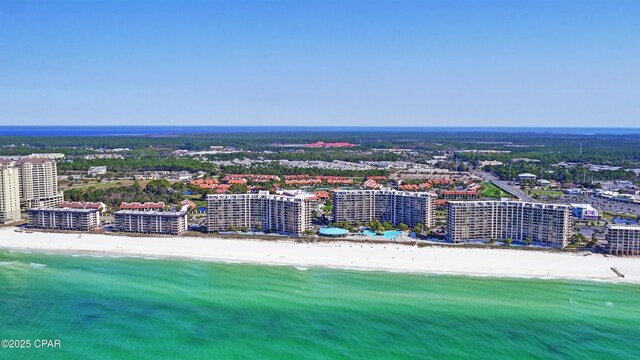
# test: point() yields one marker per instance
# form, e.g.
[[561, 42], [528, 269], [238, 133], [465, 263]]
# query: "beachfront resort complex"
[[32, 182], [517, 220], [387, 205], [261, 211]]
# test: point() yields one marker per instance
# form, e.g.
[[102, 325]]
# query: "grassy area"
[[107, 185], [491, 191], [608, 215], [553, 193]]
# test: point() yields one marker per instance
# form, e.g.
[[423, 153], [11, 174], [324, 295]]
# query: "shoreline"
[[399, 258]]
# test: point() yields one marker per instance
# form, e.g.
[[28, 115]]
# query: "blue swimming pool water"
[[389, 234], [620, 220]]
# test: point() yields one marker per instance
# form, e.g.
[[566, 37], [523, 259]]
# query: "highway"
[[503, 185]]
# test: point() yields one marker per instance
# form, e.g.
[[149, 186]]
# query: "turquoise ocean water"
[[127, 308]]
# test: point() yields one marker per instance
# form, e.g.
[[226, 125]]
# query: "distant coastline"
[[43, 131]]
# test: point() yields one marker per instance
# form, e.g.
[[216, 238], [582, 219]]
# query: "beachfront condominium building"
[[151, 222], [386, 205], [623, 239], [261, 211], [64, 218], [38, 178], [516, 220], [9, 193]]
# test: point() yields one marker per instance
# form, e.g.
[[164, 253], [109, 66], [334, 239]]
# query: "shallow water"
[[132, 308]]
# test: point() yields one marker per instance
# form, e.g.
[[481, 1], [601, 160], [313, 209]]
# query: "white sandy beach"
[[346, 255]]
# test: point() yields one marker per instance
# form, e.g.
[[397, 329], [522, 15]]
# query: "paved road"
[[504, 185]]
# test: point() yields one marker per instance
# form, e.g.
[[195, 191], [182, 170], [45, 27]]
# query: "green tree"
[[508, 241], [238, 189]]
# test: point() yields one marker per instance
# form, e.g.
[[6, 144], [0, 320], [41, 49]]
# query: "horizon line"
[[329, 126]]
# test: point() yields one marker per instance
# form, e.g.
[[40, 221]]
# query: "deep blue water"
[[177, 130]]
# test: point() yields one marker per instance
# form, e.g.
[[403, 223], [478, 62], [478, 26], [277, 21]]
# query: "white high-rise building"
[[38, 178], [500, 220], [9, 193], [262, 211], [623, 239], [395, 207]]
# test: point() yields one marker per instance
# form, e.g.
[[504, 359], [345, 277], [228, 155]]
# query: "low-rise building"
[[623, 239], [64, 219], [100, 206], [584, 212], [96, 170], [527, 178], [151, 222]]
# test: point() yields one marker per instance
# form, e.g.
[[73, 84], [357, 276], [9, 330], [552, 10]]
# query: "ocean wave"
[[301, 268], [37, 265]]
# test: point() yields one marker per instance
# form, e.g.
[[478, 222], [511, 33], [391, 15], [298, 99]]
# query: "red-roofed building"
[[205, 183], [372, 184], [189, 204], [259, 178], [236, 181], [440, 202], [84, 205], [322, 195]]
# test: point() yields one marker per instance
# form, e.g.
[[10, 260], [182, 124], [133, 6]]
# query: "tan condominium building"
[[64, 218], [396, 207], [9, 193], [151, 222], [261, 212], [38, 178], [516, 220], [623, 239]]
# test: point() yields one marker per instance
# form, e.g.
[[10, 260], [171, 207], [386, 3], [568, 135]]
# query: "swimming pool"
[[387, 235]]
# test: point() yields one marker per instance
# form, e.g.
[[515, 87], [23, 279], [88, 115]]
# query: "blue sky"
[[368, 63]]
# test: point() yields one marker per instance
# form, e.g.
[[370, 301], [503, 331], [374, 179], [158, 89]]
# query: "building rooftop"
[[81, 205], [51, 209], [146, 205], [623, 227], [513, 202], [150, 213]]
